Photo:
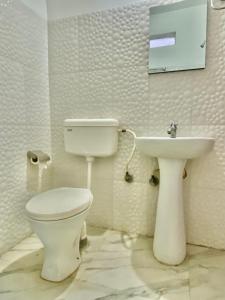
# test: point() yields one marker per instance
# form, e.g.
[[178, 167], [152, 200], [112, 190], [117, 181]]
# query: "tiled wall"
[[98, 69], [24, 110]]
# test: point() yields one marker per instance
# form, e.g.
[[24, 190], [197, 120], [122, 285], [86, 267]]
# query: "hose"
[[128, 177]]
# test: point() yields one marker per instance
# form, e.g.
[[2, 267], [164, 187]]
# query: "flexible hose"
[[133, 148]]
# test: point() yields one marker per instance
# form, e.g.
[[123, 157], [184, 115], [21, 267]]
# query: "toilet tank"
[[91, 137]]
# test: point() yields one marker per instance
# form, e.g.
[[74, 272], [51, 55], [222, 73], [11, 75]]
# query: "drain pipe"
[[90, 160]]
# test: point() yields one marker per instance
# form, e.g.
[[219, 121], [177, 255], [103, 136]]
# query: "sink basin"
[[175, 148], [169, 245]]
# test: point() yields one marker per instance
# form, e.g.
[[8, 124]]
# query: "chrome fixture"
[[215, 6], [172, 131]]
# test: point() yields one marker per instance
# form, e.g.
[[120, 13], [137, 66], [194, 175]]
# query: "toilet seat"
[[58, 204]]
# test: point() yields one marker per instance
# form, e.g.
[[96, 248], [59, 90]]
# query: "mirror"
[[178, 36]]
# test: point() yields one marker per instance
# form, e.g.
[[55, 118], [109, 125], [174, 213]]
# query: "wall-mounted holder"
[[38, 164], [38, 156]]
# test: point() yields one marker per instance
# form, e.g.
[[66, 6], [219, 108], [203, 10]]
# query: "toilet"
[[57, 216]]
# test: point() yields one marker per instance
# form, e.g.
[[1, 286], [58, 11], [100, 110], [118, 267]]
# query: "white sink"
[[178, 148], [170, 239]]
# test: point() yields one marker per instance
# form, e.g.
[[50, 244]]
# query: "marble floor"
[[115, 266]]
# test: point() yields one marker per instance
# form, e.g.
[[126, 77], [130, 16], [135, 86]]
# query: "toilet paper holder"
[[38, 156]]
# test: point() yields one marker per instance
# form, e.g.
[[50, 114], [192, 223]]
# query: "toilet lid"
[[58, 204]]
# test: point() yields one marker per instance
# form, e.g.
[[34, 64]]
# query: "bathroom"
[[91, 60]]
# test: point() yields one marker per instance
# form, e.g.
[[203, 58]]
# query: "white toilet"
[[57, 216]]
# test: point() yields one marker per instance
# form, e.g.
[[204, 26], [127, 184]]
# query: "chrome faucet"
[[172, 130]]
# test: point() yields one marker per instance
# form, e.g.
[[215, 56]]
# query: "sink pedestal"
[[170, 239]]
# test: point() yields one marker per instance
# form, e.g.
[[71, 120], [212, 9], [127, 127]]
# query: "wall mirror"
[[178, 36]]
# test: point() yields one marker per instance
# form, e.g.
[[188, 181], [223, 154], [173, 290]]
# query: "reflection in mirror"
[[178, 36], [163, 40]]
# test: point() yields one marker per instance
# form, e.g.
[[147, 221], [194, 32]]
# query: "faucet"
[[172, 130]]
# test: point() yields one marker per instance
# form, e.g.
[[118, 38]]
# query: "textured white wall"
[[98, 69], [24, 113]]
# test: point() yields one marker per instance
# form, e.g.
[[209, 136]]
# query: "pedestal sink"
[[170, 240]]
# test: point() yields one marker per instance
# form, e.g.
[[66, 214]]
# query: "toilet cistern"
[[91, 138]]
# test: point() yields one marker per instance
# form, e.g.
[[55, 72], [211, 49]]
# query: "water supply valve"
[[128, 177]]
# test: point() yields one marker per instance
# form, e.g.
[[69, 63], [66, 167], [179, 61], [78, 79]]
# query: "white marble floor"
[[115, 266]]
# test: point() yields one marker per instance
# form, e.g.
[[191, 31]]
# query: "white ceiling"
[[38, 6], [66, 8]]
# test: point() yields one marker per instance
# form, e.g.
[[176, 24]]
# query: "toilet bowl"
[[57, 216]]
